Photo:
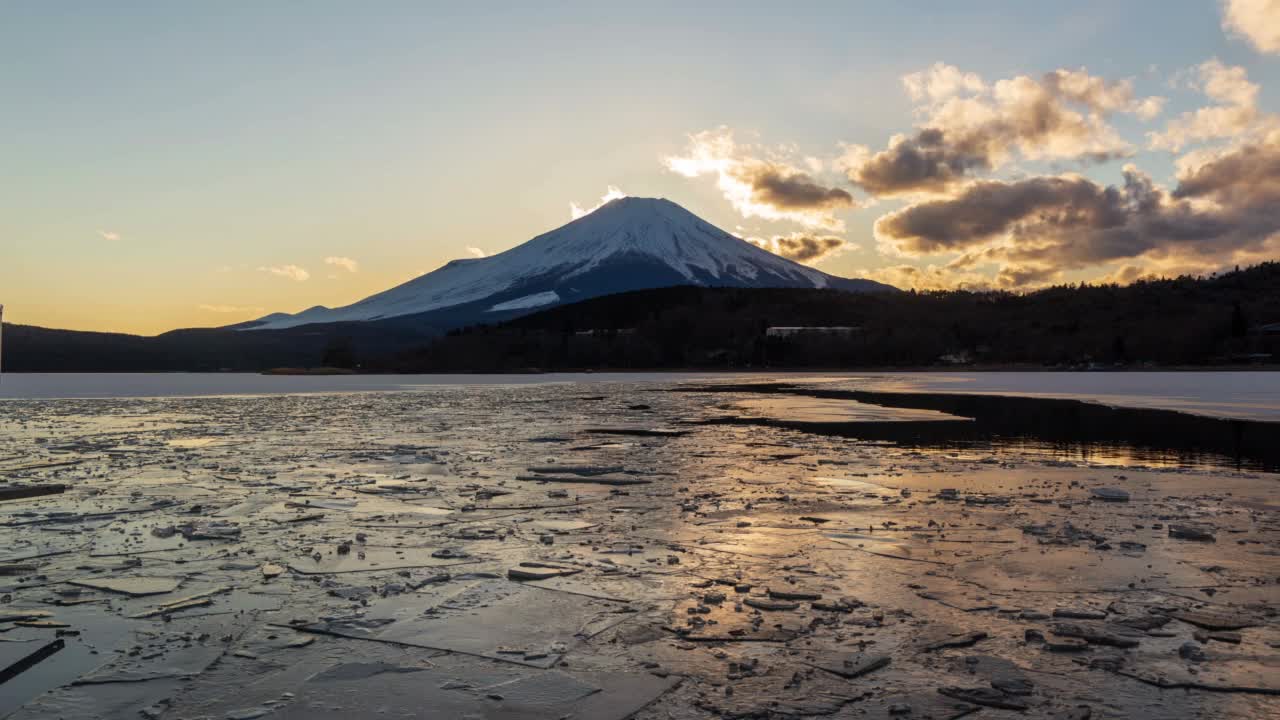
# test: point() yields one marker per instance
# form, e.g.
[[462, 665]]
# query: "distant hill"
[[1183, 321], [34, 349]]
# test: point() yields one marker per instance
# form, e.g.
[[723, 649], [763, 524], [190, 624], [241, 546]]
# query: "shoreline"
[[309, 372]]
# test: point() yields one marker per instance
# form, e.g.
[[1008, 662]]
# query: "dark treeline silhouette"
[[34, 349], [1183, 321]]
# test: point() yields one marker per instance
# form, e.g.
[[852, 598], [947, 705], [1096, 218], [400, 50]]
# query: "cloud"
[[1234, 112], [478, 252], [1127, 275], [802, 247], [971, 126], [575, 210], [789, 189], [1221, 211], [345, 263], [1099, 95], [940, 82], [1245, 176], [990, 209], [930, 277], [293, 272], [109, 235], [1032, 230], [929, 161], [229, 309], [1257, 21], [770, 189]]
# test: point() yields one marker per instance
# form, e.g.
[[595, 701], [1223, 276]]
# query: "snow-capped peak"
[[628, 243]]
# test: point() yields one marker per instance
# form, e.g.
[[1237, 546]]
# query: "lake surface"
[[575, 546], [1252, 395], [1242, 395], [154, 385]]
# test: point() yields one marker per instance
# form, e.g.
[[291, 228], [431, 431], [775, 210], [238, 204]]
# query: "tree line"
[[1180, 321]]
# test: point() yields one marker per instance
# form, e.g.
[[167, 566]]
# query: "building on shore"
[[792, 331]]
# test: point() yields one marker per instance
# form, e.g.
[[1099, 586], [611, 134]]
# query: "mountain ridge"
[[627, 244]]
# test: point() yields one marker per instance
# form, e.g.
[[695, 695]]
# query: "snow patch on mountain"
[[528, 301]]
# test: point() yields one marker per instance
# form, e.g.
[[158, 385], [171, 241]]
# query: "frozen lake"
[[147, 385], [567, 546], [1242, 394]]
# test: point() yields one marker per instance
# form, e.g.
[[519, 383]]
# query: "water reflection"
[[1000, 426], [1077, 453], [813, 409]]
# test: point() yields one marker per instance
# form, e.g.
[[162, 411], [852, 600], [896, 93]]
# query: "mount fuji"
[[627, 244]]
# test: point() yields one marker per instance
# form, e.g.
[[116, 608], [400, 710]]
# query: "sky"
[[174, 165]]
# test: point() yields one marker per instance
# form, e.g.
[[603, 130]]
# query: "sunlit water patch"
[[824, 410]]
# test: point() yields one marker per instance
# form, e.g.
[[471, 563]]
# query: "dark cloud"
[[990, 209], [926, 161], [1038, 227], [802, 247], [1020, 276], [1248, 176], [805, 248], [1102, 156], [790, 190], [935, 160]]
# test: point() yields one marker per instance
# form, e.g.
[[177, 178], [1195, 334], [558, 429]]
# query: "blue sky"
[[177, 164]]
